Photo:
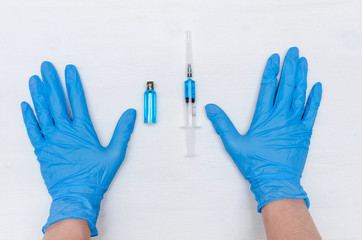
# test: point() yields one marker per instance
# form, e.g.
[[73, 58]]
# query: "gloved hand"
[[76, 168], [272, 154]]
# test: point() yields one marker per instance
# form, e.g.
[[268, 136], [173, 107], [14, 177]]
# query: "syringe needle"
[[188, 54]]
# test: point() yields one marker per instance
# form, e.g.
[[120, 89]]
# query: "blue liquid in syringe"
[[190, 90]]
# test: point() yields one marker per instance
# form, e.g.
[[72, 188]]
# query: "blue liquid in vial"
[[150, 104]]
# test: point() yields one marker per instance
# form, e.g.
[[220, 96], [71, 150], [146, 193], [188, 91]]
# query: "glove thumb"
[[221, 122], [122, 132]]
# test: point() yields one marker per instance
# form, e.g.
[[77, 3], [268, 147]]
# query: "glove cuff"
[[75, 206], [266, 191]]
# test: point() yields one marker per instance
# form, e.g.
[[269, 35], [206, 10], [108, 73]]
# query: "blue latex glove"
[[272, 154], [76, 168]]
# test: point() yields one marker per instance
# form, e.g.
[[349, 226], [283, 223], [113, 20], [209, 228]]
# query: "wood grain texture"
[[158, 193]]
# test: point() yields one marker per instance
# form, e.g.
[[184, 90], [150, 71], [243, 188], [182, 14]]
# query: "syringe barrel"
[[190, 114], [190, 98], [190, 90]]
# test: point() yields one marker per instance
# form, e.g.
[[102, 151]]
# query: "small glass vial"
[[150, 104]]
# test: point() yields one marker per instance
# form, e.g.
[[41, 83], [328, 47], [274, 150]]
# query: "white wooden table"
[[158, 193]]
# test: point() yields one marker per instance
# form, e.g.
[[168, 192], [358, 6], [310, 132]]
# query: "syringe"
[[190, 99], [190, 96]]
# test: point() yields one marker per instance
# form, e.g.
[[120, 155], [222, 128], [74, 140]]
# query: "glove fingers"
[[76, 94], [31, 124], [221, 122], [41, 104], [299, 94], [53, 86], [268, 85], [286, 87], [312, 106], [122, 133]]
